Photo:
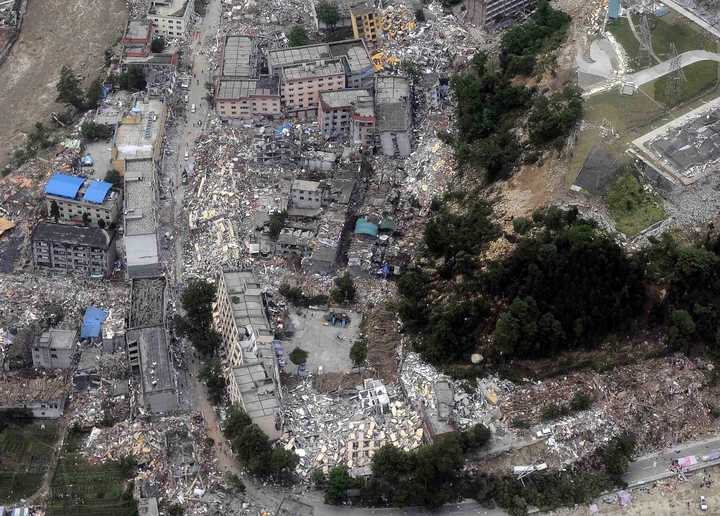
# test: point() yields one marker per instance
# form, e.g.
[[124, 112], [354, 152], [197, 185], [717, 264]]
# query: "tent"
[[92, 322]]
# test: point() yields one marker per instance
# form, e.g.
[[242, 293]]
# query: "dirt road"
[[54, 33]]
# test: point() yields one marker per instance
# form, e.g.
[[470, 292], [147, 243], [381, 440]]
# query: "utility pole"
[[645, 55], [677, 76]]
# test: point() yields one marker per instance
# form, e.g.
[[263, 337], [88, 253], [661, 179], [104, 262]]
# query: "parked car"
[[703, 504], [187, 155], [192, 108]]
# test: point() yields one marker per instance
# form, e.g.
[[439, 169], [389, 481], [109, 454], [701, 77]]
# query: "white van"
[[192, 108], [187, 155]]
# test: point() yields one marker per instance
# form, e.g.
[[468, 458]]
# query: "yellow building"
[[366, 23]]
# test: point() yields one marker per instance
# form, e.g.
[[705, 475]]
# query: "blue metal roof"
[[97, 191], [92, 322], [614, 9], [363, 227], [63, 185]]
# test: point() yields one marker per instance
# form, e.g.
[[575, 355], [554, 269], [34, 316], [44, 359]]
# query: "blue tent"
[[363, 227], [97, 191], [92, 322], [63, 185]]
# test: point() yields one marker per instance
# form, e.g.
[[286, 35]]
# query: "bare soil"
[[54, 33]]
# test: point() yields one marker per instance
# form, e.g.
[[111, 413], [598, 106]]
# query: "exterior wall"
[[366, 26], [46, 357], [50, 409], [172, 26], [304, 94], [499, 12], [334, 121], [306, 198], [248, 106], [225, 325], [83, 260], [72, 210], [362, 130]]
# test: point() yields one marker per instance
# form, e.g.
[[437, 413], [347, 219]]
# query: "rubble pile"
[[24, 298], [326, 431], [435, 45]]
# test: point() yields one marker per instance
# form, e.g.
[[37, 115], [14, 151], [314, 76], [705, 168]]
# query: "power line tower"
[[676, 76], [645, 55]]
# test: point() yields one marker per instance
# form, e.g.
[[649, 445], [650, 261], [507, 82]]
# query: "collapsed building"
[[55, 349], [347, 114], [41, 396], [170, 18], [137, 49], [499, 13], [252, 365]]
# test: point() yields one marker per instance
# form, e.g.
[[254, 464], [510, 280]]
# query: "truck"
[[711, 456], [686, 462]]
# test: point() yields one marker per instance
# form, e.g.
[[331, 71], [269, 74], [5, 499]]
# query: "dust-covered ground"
[[54, 33]]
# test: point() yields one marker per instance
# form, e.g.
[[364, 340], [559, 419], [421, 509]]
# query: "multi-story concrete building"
[[252, 388], [54, 349], [347, 113], [305, 72], [137, 39], [142, 253], [72, 249], [305, 194], [393, 113], [149, 359], [170, 18], [366, 23], [499, 13], [137, 50], [74, 199], [241, 91], [139, 134]]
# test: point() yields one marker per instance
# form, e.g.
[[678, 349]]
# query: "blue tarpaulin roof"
[[63, 185], [92, 322], [614, 9], [363, 227], [97, 191]]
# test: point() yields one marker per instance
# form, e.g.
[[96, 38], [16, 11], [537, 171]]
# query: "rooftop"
[[174, 8], [306, 186], [315, 69], [61, 339], [15, 389], [156, 372], [239, 59], [259, 396], [239, 88], [246, 299], [342, 98], [138, 132], [139, 197], [392, 95], [141, 253], [63, 185], [137, 30], [294, 55], [73, 235]]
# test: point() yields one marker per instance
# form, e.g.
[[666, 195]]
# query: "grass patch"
[[79, 487], [632, 207], [622, 111], [701, 77], [25, 452], [620, 28]]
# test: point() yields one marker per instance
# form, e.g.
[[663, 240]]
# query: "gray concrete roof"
[[392, 97], [246, 301], [342, 98], [238, 57], [318, 69], [72, 235], [147, 302], [141, 253], [139, 197], [288, 56], [156, 371], [259, 396], [308, 186]]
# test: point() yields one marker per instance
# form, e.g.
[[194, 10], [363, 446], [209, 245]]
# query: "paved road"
[[692, 16], [654, 466], [664, 68]]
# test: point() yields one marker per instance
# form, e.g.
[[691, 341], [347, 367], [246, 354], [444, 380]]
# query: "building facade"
[[243, 98], [149, 359], [170, 18], [73, 199], [54, 349], [73, 250], [305, 194], [347, 114], [500, 13], [366, 23], [302, 84]]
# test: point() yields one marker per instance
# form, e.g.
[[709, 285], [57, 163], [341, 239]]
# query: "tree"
[[338, 483], [113, 176], [235, 422], [94, 92], [133, 79], [54, 210], [475, 437], [157, 45], [197, 300], [212, 375], [93, 131], [298, 356], [682, 328], [282, 462], [327, 12], [358, 352], [344, 289], [297, 36], [277, 222], [552, 118], [68, 88]]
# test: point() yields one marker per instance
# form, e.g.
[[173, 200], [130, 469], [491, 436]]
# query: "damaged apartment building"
[[499, 13], [137, 49], [170, 18], [147, 347], [136, 150], [252, 364], [297, 76], [59, 248]]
